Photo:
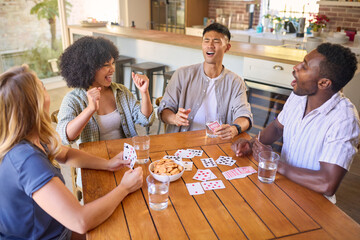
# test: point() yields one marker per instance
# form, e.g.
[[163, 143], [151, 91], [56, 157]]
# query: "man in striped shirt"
[[319, 126]]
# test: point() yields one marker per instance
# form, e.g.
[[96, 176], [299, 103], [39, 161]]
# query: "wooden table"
[[245, 209]]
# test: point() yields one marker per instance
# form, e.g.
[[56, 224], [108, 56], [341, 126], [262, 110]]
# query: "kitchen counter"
[[271, 53], [178, 50]]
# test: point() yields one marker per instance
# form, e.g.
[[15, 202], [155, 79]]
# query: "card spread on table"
[[225, 160], [204, 175], [184, 153], [196, 152], [130, 154], [188, 166], [208, 162], [211, 185], [176, 158], [239, 172], [213, 125], [195, 188]]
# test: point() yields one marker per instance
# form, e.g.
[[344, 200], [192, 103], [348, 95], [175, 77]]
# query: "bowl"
[[161, 178]]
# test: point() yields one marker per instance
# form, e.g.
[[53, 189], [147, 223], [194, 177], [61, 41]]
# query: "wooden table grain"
[[245, 209]]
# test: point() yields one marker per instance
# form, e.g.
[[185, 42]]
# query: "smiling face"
[[214, 46], [104, 75], [306, 74]]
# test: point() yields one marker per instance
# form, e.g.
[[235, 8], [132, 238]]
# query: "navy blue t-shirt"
[[23, 171]]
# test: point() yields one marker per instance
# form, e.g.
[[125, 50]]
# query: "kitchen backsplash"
[[238, 9], [341, 16]]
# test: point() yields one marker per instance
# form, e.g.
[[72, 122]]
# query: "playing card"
[[239, 172], [245, 170], [213, 125], [176, 158], [196, 152], [211, 185], [224, 160], [188, 166], [208, 162], [195, 188], [203, 175], [230, 175], [184, 153], [130, 154]]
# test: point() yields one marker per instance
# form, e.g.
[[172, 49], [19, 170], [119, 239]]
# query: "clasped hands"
[[243, 147]]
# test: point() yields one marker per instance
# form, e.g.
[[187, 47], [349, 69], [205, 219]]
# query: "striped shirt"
[[328, 134]]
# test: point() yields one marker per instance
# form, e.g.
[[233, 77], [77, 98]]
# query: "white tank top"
[[109, 125]]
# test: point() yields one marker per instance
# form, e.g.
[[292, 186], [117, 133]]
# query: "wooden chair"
[[77, 191], [157, 102]]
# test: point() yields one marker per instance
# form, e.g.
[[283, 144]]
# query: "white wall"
[[105, 10], [135, 10]]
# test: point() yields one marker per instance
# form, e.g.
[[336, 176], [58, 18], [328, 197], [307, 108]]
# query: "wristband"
[[237, 127]]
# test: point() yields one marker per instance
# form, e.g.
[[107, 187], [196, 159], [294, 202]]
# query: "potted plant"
[[318, 23]]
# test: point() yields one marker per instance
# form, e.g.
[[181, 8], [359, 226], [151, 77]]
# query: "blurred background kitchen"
[[31, 29], [35, 32]]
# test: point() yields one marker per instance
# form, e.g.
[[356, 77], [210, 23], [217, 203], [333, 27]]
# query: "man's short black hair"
[[81, 60], [217, 27], [339, 65]]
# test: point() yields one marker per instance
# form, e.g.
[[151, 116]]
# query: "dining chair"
[[157, 102], [77, 191]]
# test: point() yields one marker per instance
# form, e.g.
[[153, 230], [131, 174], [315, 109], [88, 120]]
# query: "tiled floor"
[[348, 194]]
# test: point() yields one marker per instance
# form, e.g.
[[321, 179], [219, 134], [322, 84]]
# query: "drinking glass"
[[158, 192], [142, 146], [268, 161], [210, 119]]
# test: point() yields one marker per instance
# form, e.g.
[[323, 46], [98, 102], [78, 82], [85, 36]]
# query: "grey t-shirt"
[[187, 89]]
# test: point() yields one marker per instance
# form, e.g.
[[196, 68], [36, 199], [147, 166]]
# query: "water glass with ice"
[[268, 161], [158, 192], [142, 146]]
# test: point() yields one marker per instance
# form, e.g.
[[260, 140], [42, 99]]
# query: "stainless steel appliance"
[[301, 28], [266, 102], [168, 15]]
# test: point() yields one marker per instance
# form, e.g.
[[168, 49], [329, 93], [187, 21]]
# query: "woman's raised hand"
[[93, 96], [141, 82]]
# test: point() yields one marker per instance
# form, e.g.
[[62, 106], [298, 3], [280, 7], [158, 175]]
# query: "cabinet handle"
[[278, 67]]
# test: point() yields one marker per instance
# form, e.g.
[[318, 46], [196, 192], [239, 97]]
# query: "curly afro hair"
[[81, 60], [339, 65]]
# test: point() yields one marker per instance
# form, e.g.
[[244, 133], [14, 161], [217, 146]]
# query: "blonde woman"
[[32, 191]]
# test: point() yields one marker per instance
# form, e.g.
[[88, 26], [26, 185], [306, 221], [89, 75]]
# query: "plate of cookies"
[[166, 167]]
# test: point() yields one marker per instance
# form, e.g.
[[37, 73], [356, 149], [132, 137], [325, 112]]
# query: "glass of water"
[[142, 146], [158, 192], [212, 121], [268, 161]]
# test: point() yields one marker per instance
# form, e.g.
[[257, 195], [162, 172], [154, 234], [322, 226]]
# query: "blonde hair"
[[22, 111]]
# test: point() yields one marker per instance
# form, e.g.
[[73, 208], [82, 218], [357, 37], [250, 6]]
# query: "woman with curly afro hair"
[[99, 109]]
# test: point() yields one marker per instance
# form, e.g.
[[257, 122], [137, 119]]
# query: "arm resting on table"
[[325, 181], [55, 199]]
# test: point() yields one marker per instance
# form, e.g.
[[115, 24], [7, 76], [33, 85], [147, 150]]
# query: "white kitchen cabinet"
[[263, 71]]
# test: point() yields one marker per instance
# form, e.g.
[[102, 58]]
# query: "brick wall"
[[235, 7], [341, 16], [19, 29]]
